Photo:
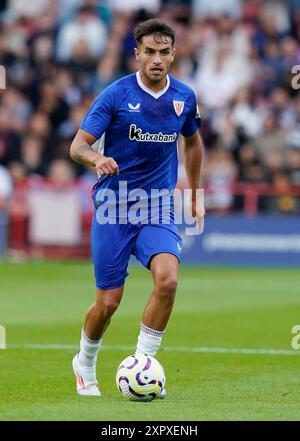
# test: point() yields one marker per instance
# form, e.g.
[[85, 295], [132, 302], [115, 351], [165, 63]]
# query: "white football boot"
[[86, 381]]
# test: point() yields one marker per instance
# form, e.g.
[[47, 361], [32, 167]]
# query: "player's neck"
[[154, 86]]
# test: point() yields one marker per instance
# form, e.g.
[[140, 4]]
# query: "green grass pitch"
[[43, 303]]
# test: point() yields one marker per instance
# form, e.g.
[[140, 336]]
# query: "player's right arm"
[[81, 151]]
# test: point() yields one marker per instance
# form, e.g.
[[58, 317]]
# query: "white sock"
[[149, 341], [88, 350]]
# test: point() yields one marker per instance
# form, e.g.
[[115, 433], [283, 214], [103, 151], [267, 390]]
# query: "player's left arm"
[[192, 155]]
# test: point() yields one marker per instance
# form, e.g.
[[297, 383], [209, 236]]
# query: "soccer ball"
[[140, 378]]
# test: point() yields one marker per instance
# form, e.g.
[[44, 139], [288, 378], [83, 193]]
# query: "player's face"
[[155, 56]]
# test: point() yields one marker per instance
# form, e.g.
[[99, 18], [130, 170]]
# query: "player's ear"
[[173, 53], [137, 53]]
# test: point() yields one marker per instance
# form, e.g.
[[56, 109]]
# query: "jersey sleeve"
[[193, 118], [100, 113]]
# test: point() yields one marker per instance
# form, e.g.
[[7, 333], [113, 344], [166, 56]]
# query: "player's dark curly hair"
[[155, 27]]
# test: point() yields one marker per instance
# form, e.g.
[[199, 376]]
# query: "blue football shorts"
[[113, 244]]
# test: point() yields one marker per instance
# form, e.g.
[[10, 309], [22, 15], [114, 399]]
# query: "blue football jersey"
[[139, 129]]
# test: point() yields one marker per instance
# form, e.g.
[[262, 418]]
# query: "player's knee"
[[107, 306], [167, 284], [110, 307]]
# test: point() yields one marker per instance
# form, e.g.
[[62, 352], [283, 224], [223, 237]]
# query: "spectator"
[[292, 163], [31, 155], [251, 169], [51, 103], [222, 75], [86, 31], [6, 187], [244, 113], [219, 176], [273, 65], [106, 72], [283, 202], [272, 142], [60, 173]]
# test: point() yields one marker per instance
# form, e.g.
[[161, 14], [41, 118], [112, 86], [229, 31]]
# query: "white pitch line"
[[243, 351]]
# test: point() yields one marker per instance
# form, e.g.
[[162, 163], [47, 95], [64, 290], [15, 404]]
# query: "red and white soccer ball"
[[140, 378]]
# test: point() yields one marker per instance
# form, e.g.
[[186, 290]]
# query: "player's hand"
[[198, 212], [106, 166]]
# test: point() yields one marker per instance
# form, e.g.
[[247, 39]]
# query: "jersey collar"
[[155, 95]]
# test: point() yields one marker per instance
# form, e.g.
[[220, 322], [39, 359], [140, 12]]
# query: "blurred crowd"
[[240, 57]]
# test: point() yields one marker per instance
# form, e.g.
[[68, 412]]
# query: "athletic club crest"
[[178, 107]]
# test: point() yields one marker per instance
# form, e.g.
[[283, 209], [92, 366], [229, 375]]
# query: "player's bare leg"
[[99, 314], [164, 269], [96, 321]]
